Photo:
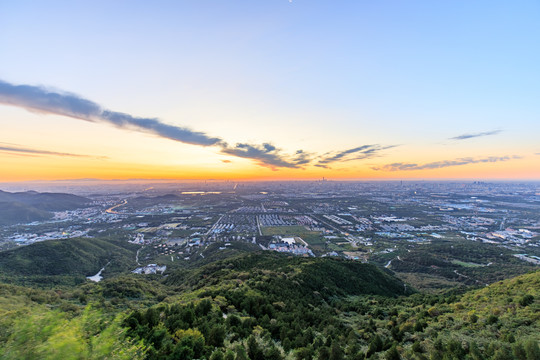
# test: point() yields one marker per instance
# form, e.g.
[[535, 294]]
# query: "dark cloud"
[[38, 99], [443, 164], [357, 153], [155, 126], [475, 135], [41, 100], [267, 155], [301, 157], [226, 161], [341, 154], [269, 147], [10, 148]]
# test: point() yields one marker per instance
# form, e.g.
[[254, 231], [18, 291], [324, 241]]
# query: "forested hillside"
[[64, 262], [270, 306]]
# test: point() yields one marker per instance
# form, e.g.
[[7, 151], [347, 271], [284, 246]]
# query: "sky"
[[272, 89]]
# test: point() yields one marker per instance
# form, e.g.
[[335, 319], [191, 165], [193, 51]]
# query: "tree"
[[417, 347], [455, 348], [241, 353], [253, 350], [272, 353], [152, 317], [519, 352], [336, 353], [503, 353], [287, 344], [191, 339], [526, 300], [375, 345], [492, 319], [303, 354], [475, 352], [229, 355], [188, 316], [203, 308], [324, 353], [216, 355], [216, 336], [532, 350], [392, 354]]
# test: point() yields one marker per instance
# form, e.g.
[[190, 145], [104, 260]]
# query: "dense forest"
[[255, 306]]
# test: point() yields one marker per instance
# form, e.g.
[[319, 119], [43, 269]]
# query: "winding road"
[[111, 209]]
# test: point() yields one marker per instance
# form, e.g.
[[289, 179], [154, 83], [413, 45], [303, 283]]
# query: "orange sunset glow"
[[286, 102]]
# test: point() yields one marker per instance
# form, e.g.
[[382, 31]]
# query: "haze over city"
[[273, 90]]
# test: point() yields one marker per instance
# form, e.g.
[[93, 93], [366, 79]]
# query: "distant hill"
[[24, 207], [16, 212], [46, 201], [69, 261]]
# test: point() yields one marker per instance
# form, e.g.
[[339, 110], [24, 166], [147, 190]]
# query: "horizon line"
[[271, 180]]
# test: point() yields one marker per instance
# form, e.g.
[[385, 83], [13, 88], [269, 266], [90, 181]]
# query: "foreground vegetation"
[[260, 306]]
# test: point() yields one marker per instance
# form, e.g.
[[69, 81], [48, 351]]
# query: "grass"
[[284, 230], [466, 264], [426, 282]]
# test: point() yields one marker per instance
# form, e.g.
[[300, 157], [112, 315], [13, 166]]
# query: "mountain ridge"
[[29, 206]]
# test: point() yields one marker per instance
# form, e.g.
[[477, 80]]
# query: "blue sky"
[[321, 76]]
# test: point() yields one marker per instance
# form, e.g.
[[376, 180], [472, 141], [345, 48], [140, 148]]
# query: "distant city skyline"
[[281, 90]]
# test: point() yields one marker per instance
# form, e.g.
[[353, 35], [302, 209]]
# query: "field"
[[285, 230], [313, 238], [466, 264]]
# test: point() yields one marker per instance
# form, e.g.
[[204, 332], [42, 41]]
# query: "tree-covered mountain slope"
[[270, 306], [65, 261], [500, 321], [327, 277], [266, 308]]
